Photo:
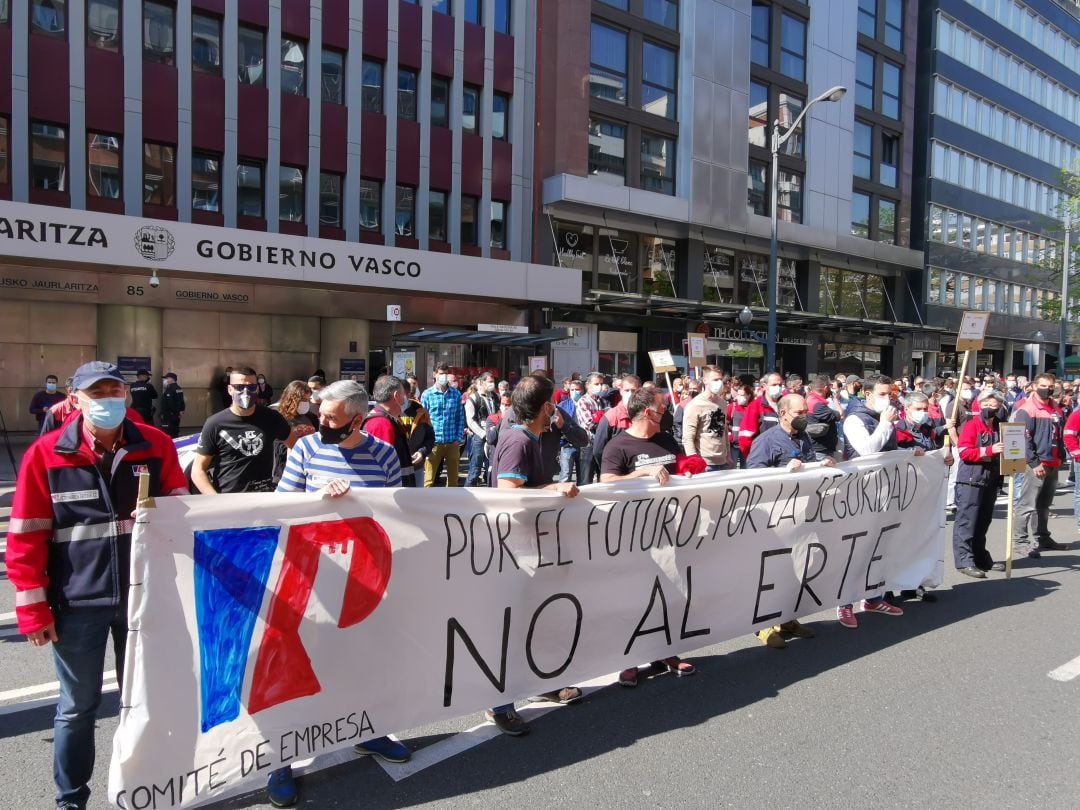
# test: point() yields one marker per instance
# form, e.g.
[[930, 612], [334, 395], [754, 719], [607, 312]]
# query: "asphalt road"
[[950, 705]]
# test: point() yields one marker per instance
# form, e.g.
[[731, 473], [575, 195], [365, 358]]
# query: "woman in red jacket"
[[977, 482], [741, 397]]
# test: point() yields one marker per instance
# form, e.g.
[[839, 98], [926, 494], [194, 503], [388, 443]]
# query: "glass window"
[[440, 101], [793, 47], [437, 215], [159, 32], [623, 4], [759, 115], [890, 159], [159, 174], [868, 18], [470, 207], [860, 215], [890, 90], [500, 111], [607, 75], [759, 35], [864, 137], [886, 221], [755, 188], [894, 25], [103, 24], [405, 211], [441, 6], [205, 182], [789, 196], [474, 12], [498, 224], [330, 199], [291, 194], [657, 80], [293, 64], [470, 110], [249, 190], [664, 12], [251, 56], [47, 17], [5, 177], [370, 205], [406, 94], [657, 163], [933, 295], [5, 11], [790, 108], [371, 96], [607, 151], [103, 155], [502, 16], [333, 76], [864, 79], [206, 44]]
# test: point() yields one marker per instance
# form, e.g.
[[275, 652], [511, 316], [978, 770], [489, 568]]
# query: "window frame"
[[505, 114], [443, 120], [500, 242], [163, 184], [301, 218], [203, 155], [209, 69], [62, 33], [302, 83], [476, 92], [433, 195], [475, 202], [405, 73], [242, 166], [91, 137], [63, 182], [342, 95], [365, 93], [323, 178], [247, 68], [376, 185], [95, 42], [150, 54]]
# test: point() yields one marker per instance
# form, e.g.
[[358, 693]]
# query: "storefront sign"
[[128, 365], [352, 369], [502, 328], [926, 341], [538, 363], [747, 335]]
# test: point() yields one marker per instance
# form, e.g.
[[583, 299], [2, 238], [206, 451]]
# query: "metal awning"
[[482, 338]]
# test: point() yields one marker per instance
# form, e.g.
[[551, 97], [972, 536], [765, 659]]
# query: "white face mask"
[[918, 417], [716, 386], [967, 394], [775, 391], [881, 403], [303, 408], [441, 380], [741, 399]]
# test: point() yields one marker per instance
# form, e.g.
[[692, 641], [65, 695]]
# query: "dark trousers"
[[1033, 508], [478, 463], [171, 425], [974, 512]]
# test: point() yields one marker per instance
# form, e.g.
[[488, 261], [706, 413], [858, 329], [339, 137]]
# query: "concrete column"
[[350, 191], [487, 103], [132, 166], [131, 330], [337, 334], [19, 126], [272, 178], [184, 112], [390, 77], [423, 191], [312, 179], [457, 90], [519, 222], [230, 31], [76, 11]]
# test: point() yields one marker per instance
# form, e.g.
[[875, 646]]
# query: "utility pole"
[[1066, 266]]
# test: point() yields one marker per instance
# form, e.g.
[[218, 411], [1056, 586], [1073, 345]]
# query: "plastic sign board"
[[972, 331], [695, 349], [502, 328], [662, 361], [538, 363], [393, 312], [1014, 453]]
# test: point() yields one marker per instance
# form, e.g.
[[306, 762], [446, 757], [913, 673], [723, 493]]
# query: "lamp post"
[[776, 142], [745, 316], [1063, 330], [1039, 337]]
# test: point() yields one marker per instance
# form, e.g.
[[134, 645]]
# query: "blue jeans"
[[477, 463], [577, 460], [568, 457], [79, 657], [1076, 498]]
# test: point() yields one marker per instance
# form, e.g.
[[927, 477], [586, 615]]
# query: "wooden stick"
[[956, 399], [671, 391], [144, 501], [1009, 528]]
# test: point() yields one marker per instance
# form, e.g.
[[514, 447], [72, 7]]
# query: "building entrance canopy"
[[543, 339]]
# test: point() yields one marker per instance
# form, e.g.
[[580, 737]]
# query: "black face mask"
[[1044, 393], [798, 424], [335, 435], [990, 414]]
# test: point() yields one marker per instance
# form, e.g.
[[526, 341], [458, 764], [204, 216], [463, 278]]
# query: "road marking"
[[42, 688], [8, 632], [1067, 671], [28, 705], [7, 617]]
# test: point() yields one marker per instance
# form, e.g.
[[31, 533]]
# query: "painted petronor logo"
[[154, 243]]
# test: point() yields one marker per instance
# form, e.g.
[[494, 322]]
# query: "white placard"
[[972, 330], [502, 328], [393, 312]]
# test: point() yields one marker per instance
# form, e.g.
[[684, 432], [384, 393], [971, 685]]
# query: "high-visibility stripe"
[[31, 596], [20, 525], [93, 531]]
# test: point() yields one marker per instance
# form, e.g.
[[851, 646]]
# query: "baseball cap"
[[991, 393], [89, 373], [145, 371], [852, 378], [171, 375]]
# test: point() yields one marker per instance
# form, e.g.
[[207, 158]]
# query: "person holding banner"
[[977, 483], [1043, 422]]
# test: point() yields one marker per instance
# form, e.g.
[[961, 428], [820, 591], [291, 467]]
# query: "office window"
[[502, 16], [607, 74], [607, 151], [293, 69], [498, 224], [47, 17], [868, 18], [103, 24], [333, 76], [474, 12], [886, 221], [657, 163], [405, 211], [500, 112], [371, 96], [206, 44], [790, 108], [860, 215], [159, 174], [793, 47], [103, 156], [890, 159], [470, 207], [5, 176], [759, 35], [437, 215], [251, 56], [623, 4], [249, 190], [370, 205], [441, 7], [664, 12], [890, 90], [862, 163], [864, 79], [205, 182], [440, 101], [5, 12], [894, 26], [48, 157], [291, 194], [789, 196], [330, 199], [470, 110], [159, 32], [658, 80], [407, 83], [758, 127], [755, 187]]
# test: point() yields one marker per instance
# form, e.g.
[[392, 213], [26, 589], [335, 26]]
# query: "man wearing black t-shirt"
[[235, 452], [644, 451]]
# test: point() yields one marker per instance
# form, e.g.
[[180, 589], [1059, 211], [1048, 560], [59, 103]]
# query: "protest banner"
[[268, 628]]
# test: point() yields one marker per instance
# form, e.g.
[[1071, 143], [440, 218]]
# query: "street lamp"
[[1038, 337], [777, 141], [746, 316], [1063, 327]]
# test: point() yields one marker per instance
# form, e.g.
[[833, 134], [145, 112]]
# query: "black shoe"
[[1033, 554], [998, 566], [1050, 545], [909, 595], [974, 573], [926, 596], [508, 723]]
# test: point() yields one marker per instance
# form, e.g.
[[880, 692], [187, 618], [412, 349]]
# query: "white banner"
[[270, 628]]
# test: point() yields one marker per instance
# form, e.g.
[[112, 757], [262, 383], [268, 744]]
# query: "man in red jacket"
[[1072, 446], [763, 413], [69, 552]]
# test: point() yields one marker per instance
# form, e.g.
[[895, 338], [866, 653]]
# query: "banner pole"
[[144, 500], [671, 391], [956, 399], [1009, 528]]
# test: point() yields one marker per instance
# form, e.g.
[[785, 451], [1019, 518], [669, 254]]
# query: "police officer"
[[977, 482], [172, 405], [143, 395]]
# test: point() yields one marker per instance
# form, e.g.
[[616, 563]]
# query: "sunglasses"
[[250, 387]]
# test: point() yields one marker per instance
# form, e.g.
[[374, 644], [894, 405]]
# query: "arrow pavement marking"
[[1067, 671]]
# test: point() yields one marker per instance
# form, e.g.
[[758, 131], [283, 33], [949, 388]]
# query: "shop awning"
[[483, 338]]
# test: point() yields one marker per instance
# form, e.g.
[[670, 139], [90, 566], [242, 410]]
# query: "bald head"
[[792, 407]]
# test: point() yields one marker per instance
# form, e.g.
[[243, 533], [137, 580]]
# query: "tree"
[[1053, 264]]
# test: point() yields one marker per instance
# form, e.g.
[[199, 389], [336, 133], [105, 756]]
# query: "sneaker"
[[1050, 545], [998, 566], [971, 571], [385, 749], [771, 638], [797, 629], [846, 616], [676, 665], [566, 695], [1033, 554], [925, 595], [281, 788], [508, 722], [70, 804], [881, 606], [629, 677]]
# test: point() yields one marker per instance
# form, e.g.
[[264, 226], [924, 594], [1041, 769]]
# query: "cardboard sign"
[[662, 361], [1014, 454], [538, 363], [695, 349], [972, 331]]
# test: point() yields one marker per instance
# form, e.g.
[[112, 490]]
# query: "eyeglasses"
[[251, 387]]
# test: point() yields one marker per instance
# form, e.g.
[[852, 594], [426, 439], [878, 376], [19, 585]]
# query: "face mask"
[[454, 385], [441, 380], [1011, 384], [164, 380], [107, 413], [575, 395], [881, 403], [506, 408], [967, 395], [332, 435], [844, 396], [775, 391], [50, 387], [262, 381], [798, 424], [596, 390], [1044, 393], [489, 387], [716, 386], [989, 414], [242, 400], [741, 399], [918, 417], [303, 408]]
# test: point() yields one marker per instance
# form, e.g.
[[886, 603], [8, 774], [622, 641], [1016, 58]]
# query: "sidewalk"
[[18, 442]]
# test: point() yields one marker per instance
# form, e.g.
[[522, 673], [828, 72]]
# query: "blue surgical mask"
[[107, 413], [575, 395], [441, 380], [50, 387]]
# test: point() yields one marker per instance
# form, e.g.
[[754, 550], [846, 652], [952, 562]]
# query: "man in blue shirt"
[[443, 402]]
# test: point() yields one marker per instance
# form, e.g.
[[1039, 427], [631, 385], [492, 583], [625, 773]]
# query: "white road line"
[[1067, 671], [42, 688], [7, 617], [25, 706]]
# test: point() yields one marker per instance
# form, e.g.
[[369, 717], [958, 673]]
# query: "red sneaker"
[[628, 677], [881, 606], [678, 666], [846, 616]]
